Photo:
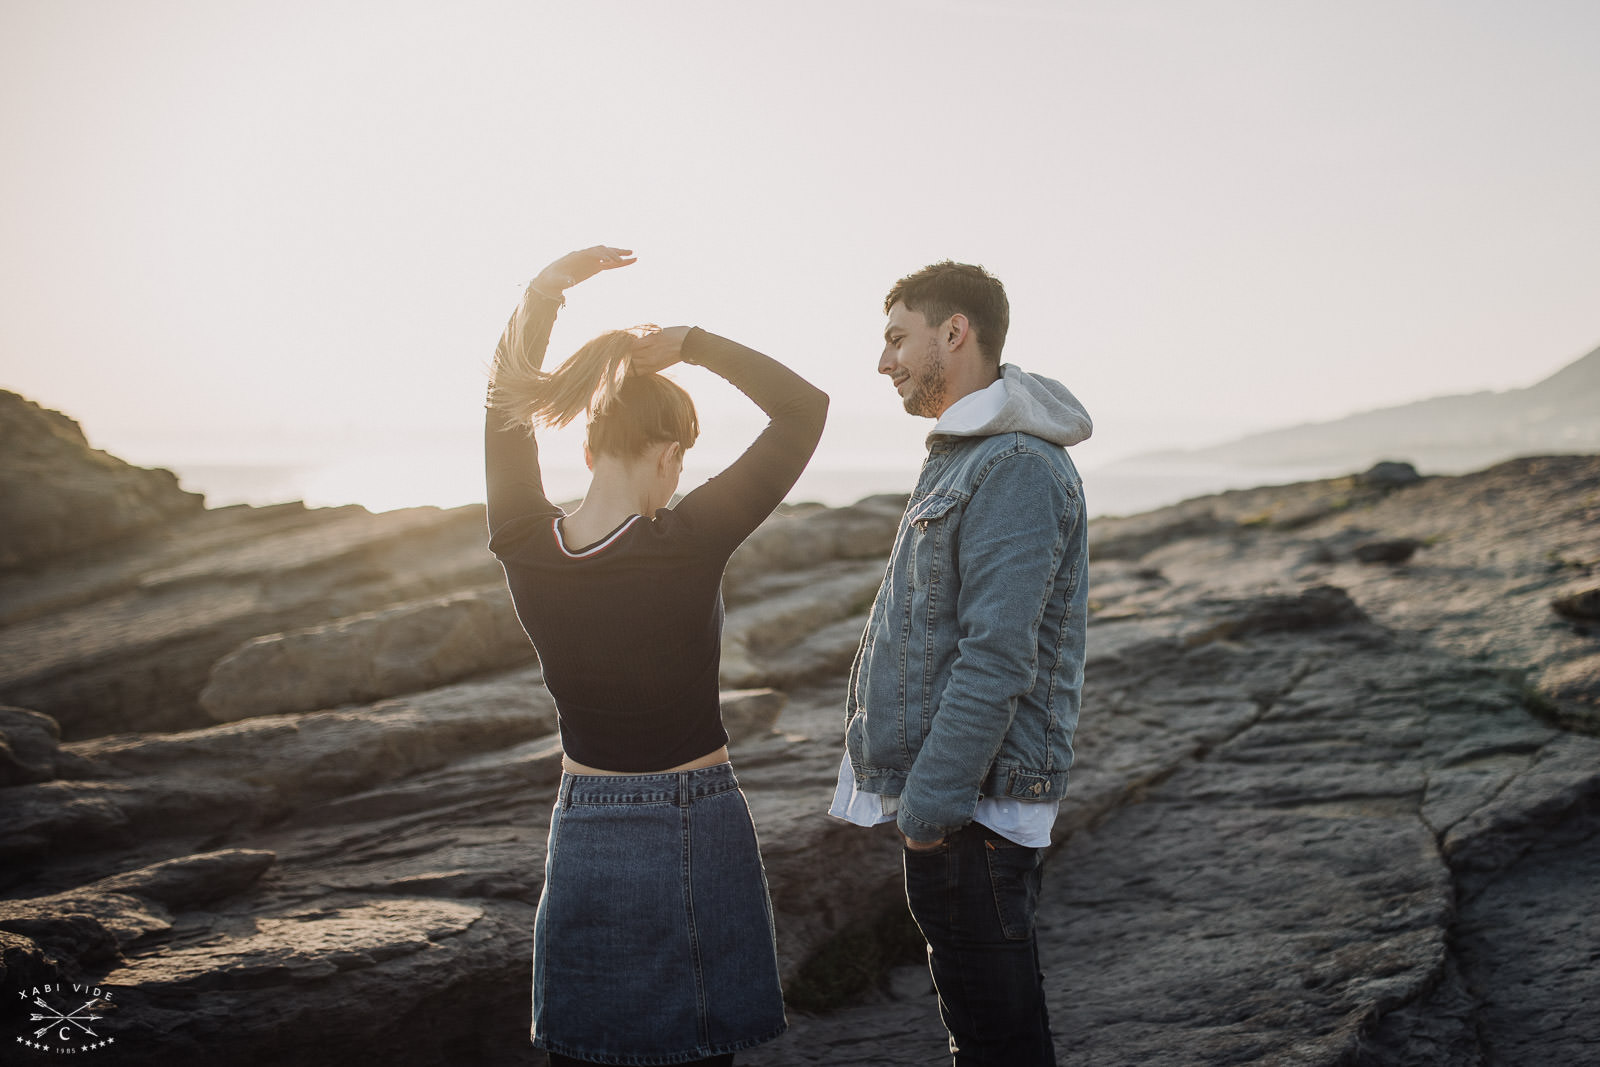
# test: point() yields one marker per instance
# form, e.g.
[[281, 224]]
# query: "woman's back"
[[629, 634]]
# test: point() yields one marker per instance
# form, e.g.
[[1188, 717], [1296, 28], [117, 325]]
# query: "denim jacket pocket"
[[928, 522]]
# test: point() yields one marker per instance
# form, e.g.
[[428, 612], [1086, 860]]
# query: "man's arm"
[[1013, 534]]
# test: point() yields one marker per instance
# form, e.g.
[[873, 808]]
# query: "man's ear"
[[957, 330]]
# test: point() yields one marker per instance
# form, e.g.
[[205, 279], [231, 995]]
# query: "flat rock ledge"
[[1325, 811]]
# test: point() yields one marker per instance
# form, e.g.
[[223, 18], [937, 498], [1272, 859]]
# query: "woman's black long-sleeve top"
[[629, 629]]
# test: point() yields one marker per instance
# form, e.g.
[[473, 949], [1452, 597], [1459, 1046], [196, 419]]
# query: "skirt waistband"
[[669, 787]]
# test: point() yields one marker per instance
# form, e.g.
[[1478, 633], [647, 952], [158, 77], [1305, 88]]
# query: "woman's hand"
[[575, 267], [657, 350]]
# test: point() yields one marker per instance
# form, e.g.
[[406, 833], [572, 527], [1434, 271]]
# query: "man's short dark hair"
[[942, 289]]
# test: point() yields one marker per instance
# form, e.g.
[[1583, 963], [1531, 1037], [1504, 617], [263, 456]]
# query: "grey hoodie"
[[1031, 404]]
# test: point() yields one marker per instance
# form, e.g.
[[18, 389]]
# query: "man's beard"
[[926, 398]]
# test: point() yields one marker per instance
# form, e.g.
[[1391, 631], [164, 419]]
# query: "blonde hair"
[[627, 412]]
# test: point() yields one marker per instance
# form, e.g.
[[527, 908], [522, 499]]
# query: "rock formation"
[[59, 495], [128, 640], [402, 649], [1325, 811]]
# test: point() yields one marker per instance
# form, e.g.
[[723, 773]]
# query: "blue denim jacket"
[[968, 678]]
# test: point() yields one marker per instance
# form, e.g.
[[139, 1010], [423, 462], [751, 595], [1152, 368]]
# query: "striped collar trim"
[[555, 526]]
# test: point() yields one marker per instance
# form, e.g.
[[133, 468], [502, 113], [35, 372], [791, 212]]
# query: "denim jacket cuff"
[[924, 833]]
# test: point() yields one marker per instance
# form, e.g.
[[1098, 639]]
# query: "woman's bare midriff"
[[710, 759]]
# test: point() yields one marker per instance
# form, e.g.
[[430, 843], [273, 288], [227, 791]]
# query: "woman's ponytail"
[[590, 380], [626, 413]]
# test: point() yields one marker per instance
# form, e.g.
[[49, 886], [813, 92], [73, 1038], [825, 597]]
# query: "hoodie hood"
[[1018, 403]]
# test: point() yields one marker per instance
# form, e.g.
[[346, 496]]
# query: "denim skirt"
[[653, 942]]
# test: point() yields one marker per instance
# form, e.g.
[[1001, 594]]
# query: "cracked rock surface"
[[1325, 810]]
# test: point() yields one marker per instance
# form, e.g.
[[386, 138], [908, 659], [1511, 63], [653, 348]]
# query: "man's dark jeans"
[[974, 898]]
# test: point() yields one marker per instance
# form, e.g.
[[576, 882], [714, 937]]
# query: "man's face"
[[914, 359]]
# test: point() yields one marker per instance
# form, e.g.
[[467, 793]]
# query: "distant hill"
[[1446, 434]]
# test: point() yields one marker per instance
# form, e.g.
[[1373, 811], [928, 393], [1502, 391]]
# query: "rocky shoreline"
[[278, 780]]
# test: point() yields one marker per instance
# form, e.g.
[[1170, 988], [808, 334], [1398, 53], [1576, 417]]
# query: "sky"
[[232, 231]]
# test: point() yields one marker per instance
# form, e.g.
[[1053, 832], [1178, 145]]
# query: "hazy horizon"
[[256, 230]]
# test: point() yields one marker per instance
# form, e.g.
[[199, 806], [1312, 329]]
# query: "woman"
[[653, 941]]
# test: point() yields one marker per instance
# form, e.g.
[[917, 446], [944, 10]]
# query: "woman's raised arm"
[[510, 453]]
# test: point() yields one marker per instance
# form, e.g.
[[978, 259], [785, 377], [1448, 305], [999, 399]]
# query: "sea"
[[394, 473]]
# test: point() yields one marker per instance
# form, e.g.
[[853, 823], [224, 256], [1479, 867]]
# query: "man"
[[964, 694]]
